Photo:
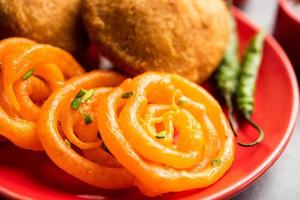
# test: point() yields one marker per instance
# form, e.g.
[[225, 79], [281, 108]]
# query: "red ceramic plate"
[[29, 175]]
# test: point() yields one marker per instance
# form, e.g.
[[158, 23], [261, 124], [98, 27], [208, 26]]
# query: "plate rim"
[[271, 159], [240, 185]]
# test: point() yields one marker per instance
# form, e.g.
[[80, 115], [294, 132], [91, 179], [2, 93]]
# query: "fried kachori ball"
[[176, 36], [56, 22]]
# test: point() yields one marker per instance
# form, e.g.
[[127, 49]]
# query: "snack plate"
[[31, 175]]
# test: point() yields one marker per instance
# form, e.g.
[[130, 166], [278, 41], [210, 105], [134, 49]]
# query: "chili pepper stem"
[[230, 113], [259, 130]]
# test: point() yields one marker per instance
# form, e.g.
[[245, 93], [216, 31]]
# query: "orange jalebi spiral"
[[29, 73], [71, 142], [157, 131], [167, 131]]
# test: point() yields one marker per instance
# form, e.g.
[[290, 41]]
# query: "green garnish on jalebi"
[[127, 95], [81, 96], [87, 119], [161, 135], [80, 93], [75, 103], [28, 74], [87, 95], [216, 162]]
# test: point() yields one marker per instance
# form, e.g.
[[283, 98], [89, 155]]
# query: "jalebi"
[[167, 131], [30, 72], [69, 133]]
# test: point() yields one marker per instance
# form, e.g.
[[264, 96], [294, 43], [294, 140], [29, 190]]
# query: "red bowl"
[[2, 139], [287, 32], [30, 175]]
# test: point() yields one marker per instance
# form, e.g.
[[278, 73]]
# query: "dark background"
[[282, 181]]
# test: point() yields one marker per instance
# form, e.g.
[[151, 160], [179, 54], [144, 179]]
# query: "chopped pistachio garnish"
[[216, 162], [75, 103], [127, 95], [87, 119], [28, 74], [80, 93], [87, 95], [81, 96], [161, 135]]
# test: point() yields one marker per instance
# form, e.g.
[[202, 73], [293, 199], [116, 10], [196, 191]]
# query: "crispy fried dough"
[[57, 22], [187, 37]]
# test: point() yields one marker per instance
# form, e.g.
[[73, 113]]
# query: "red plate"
[[28, 175]]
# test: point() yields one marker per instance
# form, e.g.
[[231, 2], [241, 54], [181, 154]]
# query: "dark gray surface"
[[282, 181]]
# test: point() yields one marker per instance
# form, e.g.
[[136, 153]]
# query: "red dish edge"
[[239, 186]]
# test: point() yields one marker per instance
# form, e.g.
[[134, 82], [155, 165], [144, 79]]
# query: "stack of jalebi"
[[169, 133], [157, 131]]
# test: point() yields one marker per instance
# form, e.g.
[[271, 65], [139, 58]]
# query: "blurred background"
[[282, 181]]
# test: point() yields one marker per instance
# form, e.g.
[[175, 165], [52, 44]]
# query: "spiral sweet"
[[69, 133], [167, 131], [157, 131], [30, 72]]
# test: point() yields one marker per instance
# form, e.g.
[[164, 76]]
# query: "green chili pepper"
[[228, 72], [248, 75]]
